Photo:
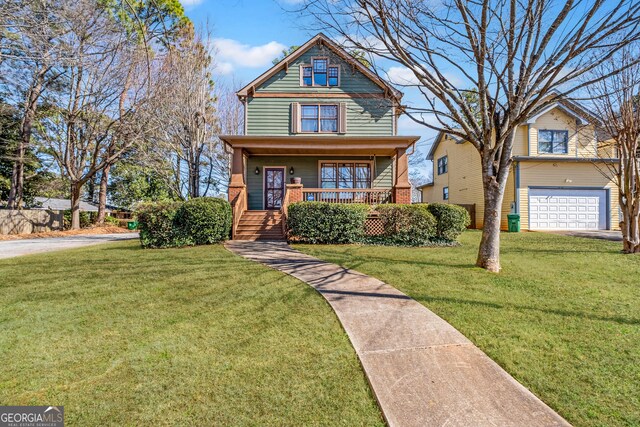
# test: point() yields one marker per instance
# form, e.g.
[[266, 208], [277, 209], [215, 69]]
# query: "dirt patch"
[[91, 230]]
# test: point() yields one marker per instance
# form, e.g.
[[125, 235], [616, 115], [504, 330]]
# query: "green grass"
[[195, 336], [563, 317]]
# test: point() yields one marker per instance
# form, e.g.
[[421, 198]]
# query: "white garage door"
[[566, 209]]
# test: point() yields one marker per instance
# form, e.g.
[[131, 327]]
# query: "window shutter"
[[342, 118], [295, 108]]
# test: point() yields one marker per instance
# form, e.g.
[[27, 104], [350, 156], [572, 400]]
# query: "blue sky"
[[249, 34]]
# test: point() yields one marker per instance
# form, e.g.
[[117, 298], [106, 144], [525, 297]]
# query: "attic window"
[[320, 73]]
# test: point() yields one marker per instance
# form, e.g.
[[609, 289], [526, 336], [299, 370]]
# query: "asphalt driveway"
[[614, 236], [14, 248]]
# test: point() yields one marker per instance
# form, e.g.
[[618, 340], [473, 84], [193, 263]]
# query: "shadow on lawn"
[[566, 313]]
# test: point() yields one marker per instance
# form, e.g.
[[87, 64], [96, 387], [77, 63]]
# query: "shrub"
[[320, 222], [156, 225], [204, 220], [407, 224], [87, 219], [451, 220], [112, 220]]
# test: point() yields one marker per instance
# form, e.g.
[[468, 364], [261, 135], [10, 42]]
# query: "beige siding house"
[[556, 181]]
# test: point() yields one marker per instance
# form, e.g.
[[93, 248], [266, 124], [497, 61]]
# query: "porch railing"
[[370, 196]]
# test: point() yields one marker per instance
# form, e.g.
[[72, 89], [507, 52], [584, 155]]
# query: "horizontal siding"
[[582, 141], [351, 80], [365, 116], [464, 180], [307, 169], [548, 174]]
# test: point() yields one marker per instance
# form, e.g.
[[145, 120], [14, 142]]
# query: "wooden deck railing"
[[370, 196], [239, 207]]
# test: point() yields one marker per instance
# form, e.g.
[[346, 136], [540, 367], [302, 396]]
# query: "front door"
[[273, 187]]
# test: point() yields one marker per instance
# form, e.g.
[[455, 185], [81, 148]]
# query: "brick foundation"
[[402, 195], [295, 192]]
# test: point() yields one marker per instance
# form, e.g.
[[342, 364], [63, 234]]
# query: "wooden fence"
[[30, 221]]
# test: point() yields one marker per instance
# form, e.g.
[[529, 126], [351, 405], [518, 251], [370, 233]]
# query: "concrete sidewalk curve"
[[423, 372]]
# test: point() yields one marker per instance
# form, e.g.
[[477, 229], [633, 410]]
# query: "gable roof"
[[571, 108], [319, 39]]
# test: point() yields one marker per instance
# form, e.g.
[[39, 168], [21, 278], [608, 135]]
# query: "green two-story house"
[[316, 122]]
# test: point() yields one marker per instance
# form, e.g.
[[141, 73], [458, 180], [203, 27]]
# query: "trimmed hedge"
[[412, 225], [204, 220], [198, 221], [321, 222], [451, 220], [156, 224]]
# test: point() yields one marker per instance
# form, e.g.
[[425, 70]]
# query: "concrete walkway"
[[14, 248], [422, 370]]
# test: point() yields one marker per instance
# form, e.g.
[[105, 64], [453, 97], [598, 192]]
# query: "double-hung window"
[[553, 141], [445, 193], [319, 118], [307, 76], [320, 73], [443, 165]]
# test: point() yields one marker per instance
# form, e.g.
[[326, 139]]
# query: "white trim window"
[[553, 141], [445, 193], [320, 73], [319, 118], [443, 165]]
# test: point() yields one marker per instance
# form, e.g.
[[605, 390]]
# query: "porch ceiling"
[[320, 144]]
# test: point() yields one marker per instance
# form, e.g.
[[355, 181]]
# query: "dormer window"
[[320, 73], [553, 141]]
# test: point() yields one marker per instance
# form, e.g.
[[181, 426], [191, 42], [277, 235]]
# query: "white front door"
[[567, 209]]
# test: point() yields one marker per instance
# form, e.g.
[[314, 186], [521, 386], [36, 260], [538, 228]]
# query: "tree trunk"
[[17, 179], [496, 164], [16, 192], [76, 189], [102, 194], [630, 226], [489, 251]]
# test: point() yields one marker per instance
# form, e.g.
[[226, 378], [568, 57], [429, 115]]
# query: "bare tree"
[[517, 57], [616, 101], [89, 127], [184, 113], [31, 57]]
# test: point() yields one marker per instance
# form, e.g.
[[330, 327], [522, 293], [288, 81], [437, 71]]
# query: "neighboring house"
[[323, 117], [64, 204], [556, 181]]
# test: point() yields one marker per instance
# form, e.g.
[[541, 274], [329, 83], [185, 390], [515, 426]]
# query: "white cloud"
[[234, 53], [224, 68], [401, 76], [188, 3]]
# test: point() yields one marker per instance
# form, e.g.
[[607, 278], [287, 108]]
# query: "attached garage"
[[568, 209]]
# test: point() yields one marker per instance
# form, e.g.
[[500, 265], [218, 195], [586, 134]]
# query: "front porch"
[[336, 169]]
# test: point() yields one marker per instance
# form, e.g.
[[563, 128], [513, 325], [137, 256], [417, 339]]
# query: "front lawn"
[[563, 317], [194, 336]]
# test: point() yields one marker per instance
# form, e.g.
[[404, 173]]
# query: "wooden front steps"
[[260, 225]]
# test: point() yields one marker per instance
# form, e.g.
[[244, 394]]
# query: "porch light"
[[257, 170], [291, 171]]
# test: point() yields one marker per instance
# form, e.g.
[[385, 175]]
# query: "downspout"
[[244, 102], [516, 166]]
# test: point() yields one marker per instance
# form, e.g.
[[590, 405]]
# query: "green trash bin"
[[132, 225], [514, 222]]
